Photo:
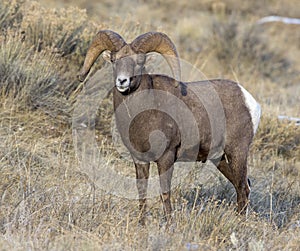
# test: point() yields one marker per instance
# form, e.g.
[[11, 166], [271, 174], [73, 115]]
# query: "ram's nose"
[[123, 81]]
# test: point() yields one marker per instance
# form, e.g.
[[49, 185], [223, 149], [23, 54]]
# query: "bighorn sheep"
[[224, 130]]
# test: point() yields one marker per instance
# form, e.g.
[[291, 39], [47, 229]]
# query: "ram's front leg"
[[165, 169], [142, 175]]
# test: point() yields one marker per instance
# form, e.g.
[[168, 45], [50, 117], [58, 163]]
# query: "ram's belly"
[[198, 153], [191, 154]]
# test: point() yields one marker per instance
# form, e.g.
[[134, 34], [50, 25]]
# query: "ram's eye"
[[113, 58], [107, 56]]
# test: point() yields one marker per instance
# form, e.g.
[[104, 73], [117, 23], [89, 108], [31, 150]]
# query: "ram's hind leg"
[[241, 183], [142, 175], [236, 172]]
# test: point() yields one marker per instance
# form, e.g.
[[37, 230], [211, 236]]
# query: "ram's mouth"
[[122, 88]]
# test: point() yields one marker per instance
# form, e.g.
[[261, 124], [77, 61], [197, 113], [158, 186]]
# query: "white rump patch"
[[254, 108]]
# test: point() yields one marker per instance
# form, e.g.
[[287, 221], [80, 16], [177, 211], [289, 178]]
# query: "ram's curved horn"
[[104, 40], [160, 43]]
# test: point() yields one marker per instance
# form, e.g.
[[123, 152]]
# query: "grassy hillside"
[[48, 202]]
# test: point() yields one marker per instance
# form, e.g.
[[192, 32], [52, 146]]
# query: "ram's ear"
[[107, 55]]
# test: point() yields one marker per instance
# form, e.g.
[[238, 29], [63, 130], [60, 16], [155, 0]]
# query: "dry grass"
[[48, 203]]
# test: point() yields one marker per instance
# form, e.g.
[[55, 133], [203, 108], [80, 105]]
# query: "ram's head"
[[128, 60]]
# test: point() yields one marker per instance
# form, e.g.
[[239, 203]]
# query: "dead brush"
[[10, 14], [277, 138], [244, 49], [55, 30], [32, 78]]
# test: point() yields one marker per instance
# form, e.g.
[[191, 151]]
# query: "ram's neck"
[[138, 83]]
